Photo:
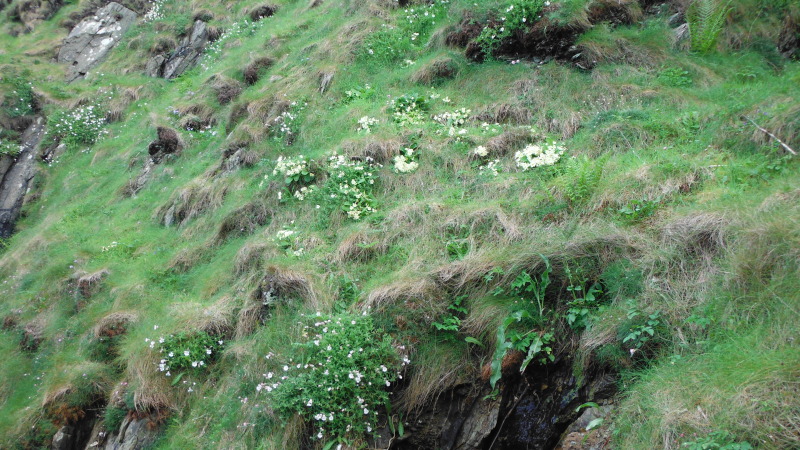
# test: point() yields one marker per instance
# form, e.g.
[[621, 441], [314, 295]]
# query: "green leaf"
[[472, 340], [587, 405], [594, 424], [177, 379]]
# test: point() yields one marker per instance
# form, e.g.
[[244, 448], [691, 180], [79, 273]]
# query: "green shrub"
[[19, 102], [337, 379], [515, 16], [674, 77], [410, 109], [79, 126], [186, 352], [349, 188], [450, 322], [9, 148], [638, 210]]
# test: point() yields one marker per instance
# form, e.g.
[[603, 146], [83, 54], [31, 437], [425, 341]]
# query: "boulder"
[[16, 174], [184, 57], [91, 40]]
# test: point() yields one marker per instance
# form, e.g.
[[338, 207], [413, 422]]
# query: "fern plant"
[[706, 18]]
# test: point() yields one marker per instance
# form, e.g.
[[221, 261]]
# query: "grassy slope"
[[682, 146]]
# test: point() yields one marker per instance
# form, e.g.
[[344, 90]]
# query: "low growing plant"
[[186, 353], [349, 188], [450, 322], [516, 16], [83, 125], [337, 379]]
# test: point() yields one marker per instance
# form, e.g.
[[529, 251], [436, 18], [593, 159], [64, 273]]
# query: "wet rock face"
[[184, 57], [16, 174], [91, 40], [532, 411]]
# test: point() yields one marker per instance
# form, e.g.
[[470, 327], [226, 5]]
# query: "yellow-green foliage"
[[422, 195]]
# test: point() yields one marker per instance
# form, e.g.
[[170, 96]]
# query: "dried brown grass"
[[360, 247], [199, 197], [115, 323]]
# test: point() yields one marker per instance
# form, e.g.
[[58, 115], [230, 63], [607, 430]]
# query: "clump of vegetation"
[[337, 379], [706, 19], [186, 353], [81, 126]]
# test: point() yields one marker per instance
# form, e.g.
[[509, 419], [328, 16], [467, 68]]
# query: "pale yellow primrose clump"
[[536, 156], [404, 163]]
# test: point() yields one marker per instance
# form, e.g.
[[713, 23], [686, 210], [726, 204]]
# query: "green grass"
[[650, 123]]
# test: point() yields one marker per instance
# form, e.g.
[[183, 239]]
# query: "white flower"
[[481, 151]]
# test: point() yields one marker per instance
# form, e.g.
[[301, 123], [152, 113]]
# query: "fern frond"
[[706, 19]]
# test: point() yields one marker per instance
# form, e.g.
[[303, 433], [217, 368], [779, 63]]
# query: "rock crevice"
[[16, 174]]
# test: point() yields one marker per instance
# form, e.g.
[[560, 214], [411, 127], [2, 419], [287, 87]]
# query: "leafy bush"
[[79, 126], [706, 18], [675, 77], [518, 15], [338, 376], [583, 306], [9, 148], [638, 210], [348, 188], [531, 294], [640, 328], [186, 352], [19, 102], [409, 109], [295, 171], [285, 127], [358, 93], [451, 321]]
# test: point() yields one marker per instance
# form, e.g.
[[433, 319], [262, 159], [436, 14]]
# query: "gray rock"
[[676, 20], [91, 40], [184, 57], [16, 174], [478, 425], [681, 33], [63, 439], [325, 79], [133, 434]]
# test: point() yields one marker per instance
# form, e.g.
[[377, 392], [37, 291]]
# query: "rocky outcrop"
[[536, 409], [91, 40], [32, 12], [16, 174], [134, 433], [184, 57]]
